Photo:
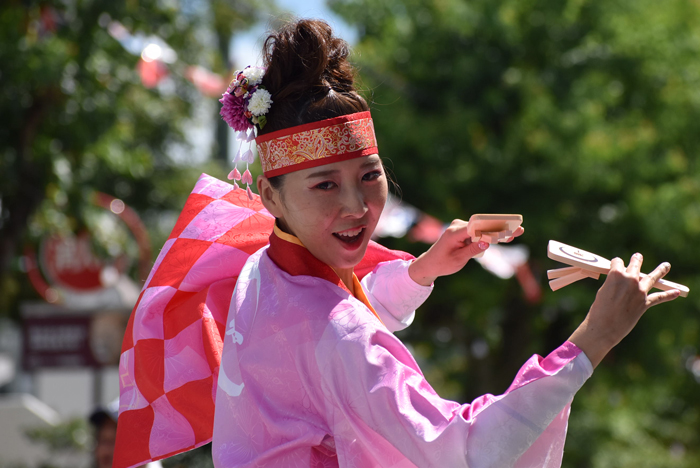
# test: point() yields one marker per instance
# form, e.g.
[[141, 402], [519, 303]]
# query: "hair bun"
[[308, 75], [305, 55]]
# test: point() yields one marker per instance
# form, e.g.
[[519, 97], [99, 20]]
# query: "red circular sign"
[[70, 262], [71, 266]]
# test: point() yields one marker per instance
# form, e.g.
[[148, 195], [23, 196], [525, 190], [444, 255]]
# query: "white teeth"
[[352, 233]]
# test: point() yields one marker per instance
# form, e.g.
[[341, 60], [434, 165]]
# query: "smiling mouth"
[[350, 236]]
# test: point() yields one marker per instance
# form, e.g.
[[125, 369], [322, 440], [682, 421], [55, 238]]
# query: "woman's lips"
[[351, 239]]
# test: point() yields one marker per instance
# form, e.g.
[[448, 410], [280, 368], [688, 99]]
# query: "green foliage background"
[[584, 117], [75, 118]]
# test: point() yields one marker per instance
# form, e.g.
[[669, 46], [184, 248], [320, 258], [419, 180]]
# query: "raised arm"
[[396, 289], [384, 411]]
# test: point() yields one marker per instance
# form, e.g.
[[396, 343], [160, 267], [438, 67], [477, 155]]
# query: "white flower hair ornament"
[[245, 104]]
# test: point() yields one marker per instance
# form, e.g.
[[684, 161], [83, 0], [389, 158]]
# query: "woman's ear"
[[270, 197]]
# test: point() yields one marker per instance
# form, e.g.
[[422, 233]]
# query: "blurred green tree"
[[66, 443], [585, 117], [75, 117], [197, 458]]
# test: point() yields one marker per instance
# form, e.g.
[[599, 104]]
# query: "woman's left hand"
[[449, 254]]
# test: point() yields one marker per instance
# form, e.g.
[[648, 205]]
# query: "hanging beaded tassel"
[[245, 104], [235, 174], [248, 157]]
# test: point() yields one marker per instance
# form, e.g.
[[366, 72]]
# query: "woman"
[[311, 374], [335, 386]]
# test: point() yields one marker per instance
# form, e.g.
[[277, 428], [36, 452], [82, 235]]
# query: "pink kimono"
[[310, 375]]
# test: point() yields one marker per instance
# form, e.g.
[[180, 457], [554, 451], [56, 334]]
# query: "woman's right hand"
[[449, 253], [618, 306]]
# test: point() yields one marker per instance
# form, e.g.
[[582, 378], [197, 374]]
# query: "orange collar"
[[290, 255]]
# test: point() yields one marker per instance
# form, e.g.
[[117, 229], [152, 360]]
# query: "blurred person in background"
[[104, 420]]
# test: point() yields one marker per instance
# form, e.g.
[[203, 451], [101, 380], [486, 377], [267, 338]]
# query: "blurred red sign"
[[71, 273], [70, 262]]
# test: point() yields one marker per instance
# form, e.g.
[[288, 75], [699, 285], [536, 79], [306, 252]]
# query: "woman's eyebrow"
[[331, 172], [322, 173], [371, 164]]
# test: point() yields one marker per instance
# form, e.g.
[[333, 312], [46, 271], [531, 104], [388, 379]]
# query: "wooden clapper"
[[493, 228], [588, 265]]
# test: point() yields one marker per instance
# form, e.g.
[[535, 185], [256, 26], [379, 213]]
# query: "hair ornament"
[[234, 175], [244, 106], [247, 178]]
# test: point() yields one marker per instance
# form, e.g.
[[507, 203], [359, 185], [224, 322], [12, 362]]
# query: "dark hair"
[[309, 77]]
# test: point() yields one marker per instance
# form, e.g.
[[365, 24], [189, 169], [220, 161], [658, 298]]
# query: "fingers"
[[659, 272], [635, 264], [617, 264], [458, 230], [475, 248], [517, 233], [661, 297]]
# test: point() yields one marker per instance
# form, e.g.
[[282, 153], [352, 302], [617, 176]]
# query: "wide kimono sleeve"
[[393, 294], [383, 413]]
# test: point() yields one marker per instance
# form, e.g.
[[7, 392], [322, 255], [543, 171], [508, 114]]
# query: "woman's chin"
[[351, 261], [347, 259]]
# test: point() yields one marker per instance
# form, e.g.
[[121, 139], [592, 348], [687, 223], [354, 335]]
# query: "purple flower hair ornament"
[[244, 106]]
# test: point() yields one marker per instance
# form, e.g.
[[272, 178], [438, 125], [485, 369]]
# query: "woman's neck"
[[346, 276]]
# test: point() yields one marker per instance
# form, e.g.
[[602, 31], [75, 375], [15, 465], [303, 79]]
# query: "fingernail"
[[483, 245]]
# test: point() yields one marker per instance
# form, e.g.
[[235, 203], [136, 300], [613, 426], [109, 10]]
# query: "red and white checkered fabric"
[[172, 346]]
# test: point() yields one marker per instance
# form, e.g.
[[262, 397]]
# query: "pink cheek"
[[376, 204], [328, 211]]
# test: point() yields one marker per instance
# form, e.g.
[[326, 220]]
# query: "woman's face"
[[332, 209]]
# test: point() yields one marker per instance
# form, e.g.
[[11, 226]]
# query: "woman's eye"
[[372, 175], [325, 185]]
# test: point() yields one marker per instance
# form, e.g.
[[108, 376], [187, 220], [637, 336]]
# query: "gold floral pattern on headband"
[[312, 145]]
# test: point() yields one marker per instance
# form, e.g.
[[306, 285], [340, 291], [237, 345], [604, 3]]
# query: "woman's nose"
[[353, 202]]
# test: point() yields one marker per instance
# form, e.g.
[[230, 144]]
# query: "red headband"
[[317, 143]]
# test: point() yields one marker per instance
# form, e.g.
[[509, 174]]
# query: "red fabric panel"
[[240, 198], [194, 204], [250, 235], [222, 331], [213, 341], [199, 411], [177, 262], [297, 260], [128, 341], [149, 368], [183, 310], [131, 447], [219, 299]]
